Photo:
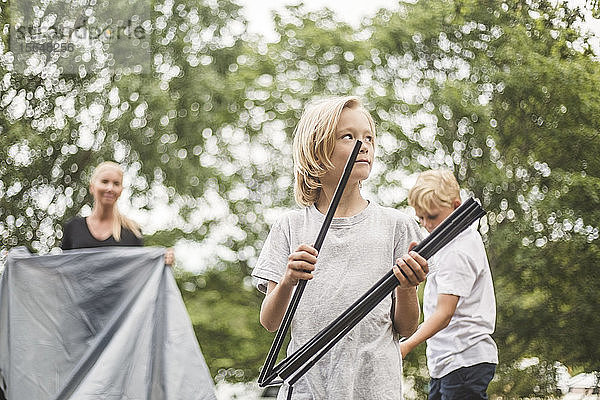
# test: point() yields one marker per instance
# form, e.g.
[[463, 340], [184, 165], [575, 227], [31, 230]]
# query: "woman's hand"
[[169, 257], [300, 265]]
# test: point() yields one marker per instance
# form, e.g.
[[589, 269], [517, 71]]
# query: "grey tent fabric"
[[105, 324]]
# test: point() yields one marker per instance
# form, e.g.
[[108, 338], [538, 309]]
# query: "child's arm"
[[406, 307], [406, 311], [444, 310], [300, 265]]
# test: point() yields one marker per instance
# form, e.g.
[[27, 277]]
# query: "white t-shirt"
[[357, 252], [461, 268]]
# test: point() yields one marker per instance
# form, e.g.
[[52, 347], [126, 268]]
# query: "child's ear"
[[456, 203]]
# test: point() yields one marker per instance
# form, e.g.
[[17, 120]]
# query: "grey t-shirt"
[[357, 252]]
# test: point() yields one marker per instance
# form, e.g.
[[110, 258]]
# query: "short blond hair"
[[434, 188], [314, 140], [119, 220]]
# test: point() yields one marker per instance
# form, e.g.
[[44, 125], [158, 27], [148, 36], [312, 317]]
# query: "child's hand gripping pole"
[[294, 366], [267, 375]]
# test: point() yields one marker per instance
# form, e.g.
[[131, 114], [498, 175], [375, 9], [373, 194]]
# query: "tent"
[[104, 323]]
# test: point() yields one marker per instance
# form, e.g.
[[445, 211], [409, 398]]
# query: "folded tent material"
[[104, 323]]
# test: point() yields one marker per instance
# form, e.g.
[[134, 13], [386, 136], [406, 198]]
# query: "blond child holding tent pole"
[[363, 242]]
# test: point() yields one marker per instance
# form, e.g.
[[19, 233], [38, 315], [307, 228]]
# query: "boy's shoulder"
[[469, 242], [393, 214], [291, 216]]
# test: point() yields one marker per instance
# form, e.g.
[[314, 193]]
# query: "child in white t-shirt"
[[363, 242], [459, 306]]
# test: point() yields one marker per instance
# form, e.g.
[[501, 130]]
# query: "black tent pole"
[[267, 376], [422, 248], [335, 334], [297, 364], [312, 351]]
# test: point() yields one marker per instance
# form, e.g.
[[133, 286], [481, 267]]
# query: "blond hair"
[[314, 140], [119, 219], [434, 188]]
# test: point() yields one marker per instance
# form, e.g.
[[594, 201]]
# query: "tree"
[[58, 126]]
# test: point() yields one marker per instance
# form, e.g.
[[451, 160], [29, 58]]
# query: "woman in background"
[[105, 226]]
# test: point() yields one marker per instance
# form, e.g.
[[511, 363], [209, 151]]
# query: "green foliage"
[[415, 372], [224, 310], [514, 381]]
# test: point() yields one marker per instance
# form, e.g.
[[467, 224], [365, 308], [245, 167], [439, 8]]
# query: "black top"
[[77, 235]]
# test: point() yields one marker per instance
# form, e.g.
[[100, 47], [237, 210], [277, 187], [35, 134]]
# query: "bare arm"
[[300, 265], [406, 308], [406, 311], [444, 310]]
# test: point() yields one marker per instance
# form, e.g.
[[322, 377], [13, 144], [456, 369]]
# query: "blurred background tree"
[[506, 94]]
